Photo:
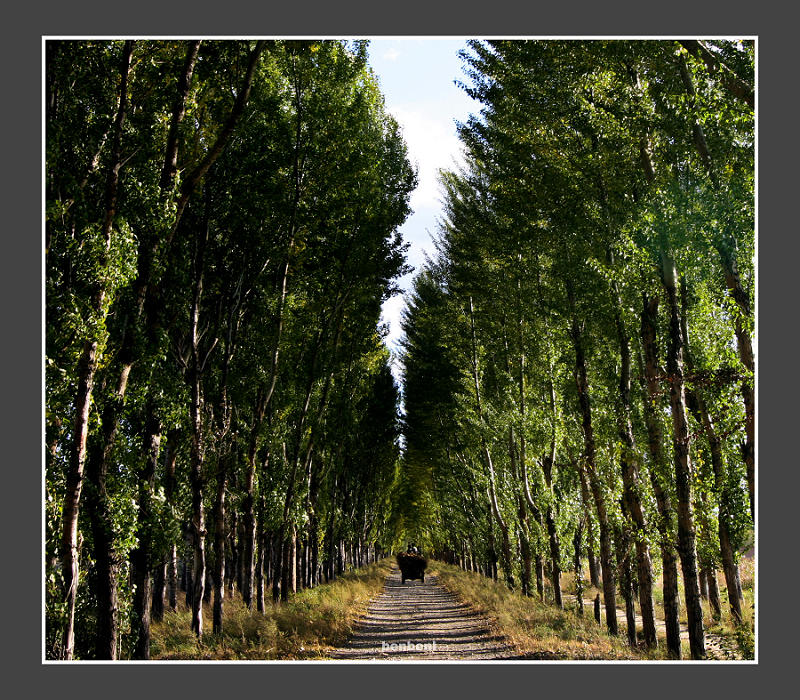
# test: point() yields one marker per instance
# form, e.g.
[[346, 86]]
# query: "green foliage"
[[585, 175], [258, 270]]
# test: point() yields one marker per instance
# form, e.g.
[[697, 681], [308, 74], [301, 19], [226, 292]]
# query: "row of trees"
[[579, 366], [221, 230]]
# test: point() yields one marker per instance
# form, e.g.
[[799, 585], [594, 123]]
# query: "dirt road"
[[425, 621], [416, 620]]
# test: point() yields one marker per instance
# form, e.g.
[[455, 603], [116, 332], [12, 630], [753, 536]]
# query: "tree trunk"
[[238, 543], [278, 587], [231, 556], [731, 570], [548, 464], [289, 564], [170, 168], [747, 357], [552, 531], [87, 367], [219, 546], [712, 588], [187, 583], [594, 573], [329, 539], [658, 475], [495, 508], [280, 581], [293, 561], [313, 579], [261, 542], [172, 577], [606, 563], [578, 568], [302, 556], [196, 454], [492, 548], [98, 508], [142, 556], [525, 542], [248, 514], [682, 464], [105, 556], [700, 410], [631, 479], [198, 540], [170, 460], [209, 588], [525, 553], [623, 546], [196, 481], [159, 592], [522, 519], [555, 556], [606, 556]]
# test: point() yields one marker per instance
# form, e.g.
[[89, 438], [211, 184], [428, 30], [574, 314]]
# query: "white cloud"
[[391, 55], [432, 144]]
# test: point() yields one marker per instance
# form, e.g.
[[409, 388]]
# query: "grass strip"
[[307, 626]]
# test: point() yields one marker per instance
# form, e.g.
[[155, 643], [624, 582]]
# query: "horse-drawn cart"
[[412, 566]]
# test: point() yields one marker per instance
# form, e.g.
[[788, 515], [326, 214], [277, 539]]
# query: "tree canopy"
[[578, 357], [222, 228]]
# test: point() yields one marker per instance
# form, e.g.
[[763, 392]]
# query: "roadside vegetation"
[[315, 621], [537, 629], [307, 626], [739, 636]]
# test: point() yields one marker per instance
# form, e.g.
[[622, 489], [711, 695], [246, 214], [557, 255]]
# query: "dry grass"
[[306, 627], [536, 629], [314, 621], [739, 637]]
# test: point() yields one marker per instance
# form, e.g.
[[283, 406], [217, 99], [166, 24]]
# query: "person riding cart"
[[412, 564]]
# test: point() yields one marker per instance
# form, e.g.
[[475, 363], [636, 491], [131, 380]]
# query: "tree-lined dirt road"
[[418, 621]]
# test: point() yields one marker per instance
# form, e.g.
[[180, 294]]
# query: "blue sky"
[[417, 80]]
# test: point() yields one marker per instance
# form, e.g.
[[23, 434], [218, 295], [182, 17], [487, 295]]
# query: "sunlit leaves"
[[582, 176]]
